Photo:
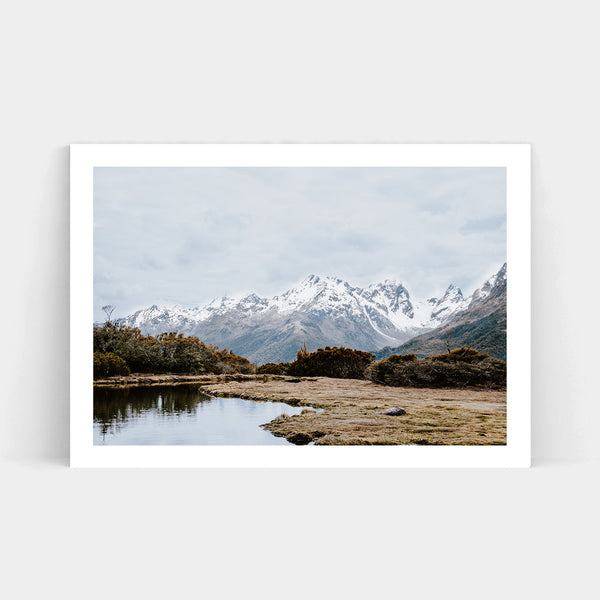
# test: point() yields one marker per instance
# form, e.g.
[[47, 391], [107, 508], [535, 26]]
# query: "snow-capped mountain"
[[321, 311], [481, 325], [490, 285]]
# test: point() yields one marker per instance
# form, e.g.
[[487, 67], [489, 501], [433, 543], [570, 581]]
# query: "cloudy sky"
[[187, 235]]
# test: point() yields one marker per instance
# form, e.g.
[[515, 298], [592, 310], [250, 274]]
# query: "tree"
[[108, 311], [448, 338]]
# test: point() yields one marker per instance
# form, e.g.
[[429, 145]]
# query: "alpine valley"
[[326, 311]]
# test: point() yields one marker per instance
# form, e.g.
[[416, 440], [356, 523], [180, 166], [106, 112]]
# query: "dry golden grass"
[[352, 411]]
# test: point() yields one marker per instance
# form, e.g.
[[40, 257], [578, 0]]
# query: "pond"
[[182, 415]]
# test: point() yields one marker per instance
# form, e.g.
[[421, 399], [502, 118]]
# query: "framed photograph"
[[310, 305]]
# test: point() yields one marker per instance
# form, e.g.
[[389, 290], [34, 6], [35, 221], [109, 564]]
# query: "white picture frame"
[[515, 158]]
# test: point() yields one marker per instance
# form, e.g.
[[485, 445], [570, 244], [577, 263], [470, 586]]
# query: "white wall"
[[461, 71]]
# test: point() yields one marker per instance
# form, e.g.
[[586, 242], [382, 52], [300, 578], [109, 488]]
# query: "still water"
[[182, 415]]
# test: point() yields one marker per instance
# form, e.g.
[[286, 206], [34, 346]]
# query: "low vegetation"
[[273, 369], [482, 326], [351, 412], [463, 367], [119, 350], [344, 363], [107, 364]]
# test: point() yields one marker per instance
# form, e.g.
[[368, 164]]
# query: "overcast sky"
[[188, 235]]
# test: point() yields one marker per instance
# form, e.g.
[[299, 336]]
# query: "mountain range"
[[482, 325], [327, 311]]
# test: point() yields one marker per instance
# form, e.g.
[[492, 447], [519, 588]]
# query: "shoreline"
[[353, 409], [121, 381]]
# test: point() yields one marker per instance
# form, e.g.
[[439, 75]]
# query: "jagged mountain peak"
[[315, 292], [252, 297], [489, 285], [451, 302], [312, 279], [453, 292], [221, 302], [319, 279], [481, 325]]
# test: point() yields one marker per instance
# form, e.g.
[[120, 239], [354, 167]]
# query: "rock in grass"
[[394, 412]]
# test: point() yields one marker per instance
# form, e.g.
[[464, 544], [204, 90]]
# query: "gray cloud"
[[187, 235]]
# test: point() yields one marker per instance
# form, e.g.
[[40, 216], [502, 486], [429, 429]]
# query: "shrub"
[[273, 369], [476, 370], [401, 358], [468, 355], [107, 364], [340, 362], [166, 352]]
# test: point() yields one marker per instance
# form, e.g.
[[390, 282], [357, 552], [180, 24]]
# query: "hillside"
[[482, 326]]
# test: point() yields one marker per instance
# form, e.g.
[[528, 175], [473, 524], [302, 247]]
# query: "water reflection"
[[182, 414], [113, 407]]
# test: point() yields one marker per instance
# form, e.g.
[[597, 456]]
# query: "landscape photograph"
[[295, 306]]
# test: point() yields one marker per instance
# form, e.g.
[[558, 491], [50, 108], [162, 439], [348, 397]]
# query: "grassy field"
[[352, 409]]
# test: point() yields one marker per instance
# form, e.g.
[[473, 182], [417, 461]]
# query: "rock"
[[394, 412]]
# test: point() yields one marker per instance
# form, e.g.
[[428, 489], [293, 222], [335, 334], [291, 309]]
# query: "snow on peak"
[[387, 283], [452, 294], [451, 302], [250, 298], [314, 293], [386, 306], [490, 284]]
